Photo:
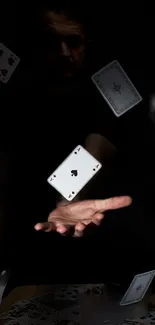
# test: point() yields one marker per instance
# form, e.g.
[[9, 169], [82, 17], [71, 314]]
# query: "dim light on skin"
[[69, 45]]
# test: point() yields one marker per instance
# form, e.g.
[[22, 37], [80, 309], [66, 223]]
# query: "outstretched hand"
[[80, 214]]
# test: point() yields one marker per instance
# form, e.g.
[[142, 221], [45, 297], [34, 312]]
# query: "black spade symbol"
[[11, 61], [74, 173], [4, 72]]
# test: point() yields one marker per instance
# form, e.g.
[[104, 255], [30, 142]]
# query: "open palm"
[[80, 214]]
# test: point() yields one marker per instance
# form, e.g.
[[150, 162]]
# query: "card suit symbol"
[[11, 61], [1, 52], [4, 72], [75, 152], [94, 169], [139, 287], [74, 172], [117, 88]]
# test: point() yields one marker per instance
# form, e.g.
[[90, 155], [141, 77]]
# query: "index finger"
[[112, 203]]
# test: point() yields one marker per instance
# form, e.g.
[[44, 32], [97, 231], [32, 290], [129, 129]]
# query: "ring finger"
[[79, 229]]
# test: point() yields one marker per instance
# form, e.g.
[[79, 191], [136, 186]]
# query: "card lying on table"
[[74, 173], [116, 88], [137, 288]]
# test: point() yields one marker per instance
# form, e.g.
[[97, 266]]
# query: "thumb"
[[112, 203]]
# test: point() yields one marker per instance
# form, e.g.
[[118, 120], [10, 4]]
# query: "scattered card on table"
[[116, 88], [8, 63], [74, 173], [137, 288]]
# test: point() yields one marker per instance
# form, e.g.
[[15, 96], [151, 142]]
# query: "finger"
[[112, 203], [78, 233], [45, 226], [87, 222], [80, 226], [97, 218], [79, 229], [62, 229]]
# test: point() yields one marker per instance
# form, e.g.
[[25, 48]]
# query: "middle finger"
[[79, 229]]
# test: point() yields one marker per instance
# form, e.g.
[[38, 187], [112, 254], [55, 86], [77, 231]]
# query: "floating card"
[[74, 173], [116, 88], [8, 63], [137, 288]]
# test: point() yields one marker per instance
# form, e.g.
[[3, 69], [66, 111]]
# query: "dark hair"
[[74, 10]]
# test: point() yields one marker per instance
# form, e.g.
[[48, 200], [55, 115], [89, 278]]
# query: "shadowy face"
[[64, 43]]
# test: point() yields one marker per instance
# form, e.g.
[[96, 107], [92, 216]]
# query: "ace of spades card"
[[8, 63], [74, 173]]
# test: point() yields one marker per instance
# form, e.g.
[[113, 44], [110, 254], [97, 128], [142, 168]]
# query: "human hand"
[[80, 214]]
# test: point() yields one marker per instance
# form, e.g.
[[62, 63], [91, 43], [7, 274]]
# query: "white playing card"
[[137, 288], [8, 63], [74, 173], [116, 88]]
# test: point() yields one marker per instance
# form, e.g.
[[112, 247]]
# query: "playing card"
[[74, 173], [4, 278], [137, 288], [8, 63], [116, 88]]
